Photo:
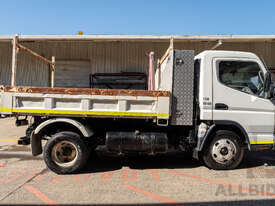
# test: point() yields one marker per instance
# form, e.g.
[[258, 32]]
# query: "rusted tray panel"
[[83, 91]]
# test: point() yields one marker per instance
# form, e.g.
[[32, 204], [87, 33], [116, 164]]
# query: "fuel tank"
[[127, 142]]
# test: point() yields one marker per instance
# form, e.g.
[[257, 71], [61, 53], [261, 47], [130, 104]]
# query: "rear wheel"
[[65, 153], [224, 151]]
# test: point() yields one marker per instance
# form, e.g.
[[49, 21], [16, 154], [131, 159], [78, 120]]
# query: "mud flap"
[[36, 144]]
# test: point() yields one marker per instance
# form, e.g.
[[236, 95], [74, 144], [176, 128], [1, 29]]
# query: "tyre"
[[224, 152], [65, 153]]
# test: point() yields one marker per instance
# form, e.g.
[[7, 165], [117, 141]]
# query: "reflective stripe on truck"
[[43, 111], [262, 142]]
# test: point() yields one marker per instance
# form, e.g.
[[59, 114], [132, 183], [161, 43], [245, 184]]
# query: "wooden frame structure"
[[15, 49], [17, 46], [171, 47]]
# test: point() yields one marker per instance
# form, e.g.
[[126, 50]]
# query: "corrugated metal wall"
[[105, 57], [5, 63]]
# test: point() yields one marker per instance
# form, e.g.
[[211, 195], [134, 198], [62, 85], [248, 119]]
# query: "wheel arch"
[[69, 124], [225, 125], [84, 130]]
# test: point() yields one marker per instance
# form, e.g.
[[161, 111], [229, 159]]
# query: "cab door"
[[238, 96]]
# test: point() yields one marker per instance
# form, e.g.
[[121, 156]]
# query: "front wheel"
[[65, 153], [224, 152]]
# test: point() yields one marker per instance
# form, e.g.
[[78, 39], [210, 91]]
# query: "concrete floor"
[[165, 180]]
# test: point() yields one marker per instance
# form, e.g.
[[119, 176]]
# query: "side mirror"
[[273, 92], [267, 82]]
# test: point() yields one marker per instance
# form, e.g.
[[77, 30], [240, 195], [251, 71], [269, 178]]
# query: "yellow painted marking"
[[44, 111], [262, 142], [9, 140]]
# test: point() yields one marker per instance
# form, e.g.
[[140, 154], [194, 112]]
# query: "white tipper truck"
[[213, 105]]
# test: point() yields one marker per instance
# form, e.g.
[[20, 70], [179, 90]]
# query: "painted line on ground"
[[82, 177], [204, 179], [32, 175], [57, 178], [106, 176], [16, 175], [9, 140], [40, 195], [132, 177], [155, 174], [268, 171], [149, 194], [40, 177]]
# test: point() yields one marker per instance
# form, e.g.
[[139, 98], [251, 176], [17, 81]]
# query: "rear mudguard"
[[36, 144]]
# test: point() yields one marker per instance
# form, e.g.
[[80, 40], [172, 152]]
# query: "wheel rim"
[[64, 153], [223, 150]]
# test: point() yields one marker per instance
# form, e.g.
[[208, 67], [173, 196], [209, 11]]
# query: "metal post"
[[52, 71], [14, 60], [158, 76], [151, 82], [217, 45], [171, 43]]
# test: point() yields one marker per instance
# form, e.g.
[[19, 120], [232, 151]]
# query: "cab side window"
[[245, 76]]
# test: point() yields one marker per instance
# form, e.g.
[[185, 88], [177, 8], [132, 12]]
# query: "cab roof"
[[228, 54]]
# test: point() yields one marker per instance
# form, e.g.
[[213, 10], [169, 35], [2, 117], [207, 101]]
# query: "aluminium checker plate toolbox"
[[183, 88]]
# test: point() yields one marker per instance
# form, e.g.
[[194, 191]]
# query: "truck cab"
[[234, 95]]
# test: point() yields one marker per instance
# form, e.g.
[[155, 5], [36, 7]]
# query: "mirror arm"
[[267, 85]]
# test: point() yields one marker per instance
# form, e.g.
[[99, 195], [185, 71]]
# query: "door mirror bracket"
[[272, 93], [267, 85]]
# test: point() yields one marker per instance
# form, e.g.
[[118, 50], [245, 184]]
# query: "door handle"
[[221, 106]]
